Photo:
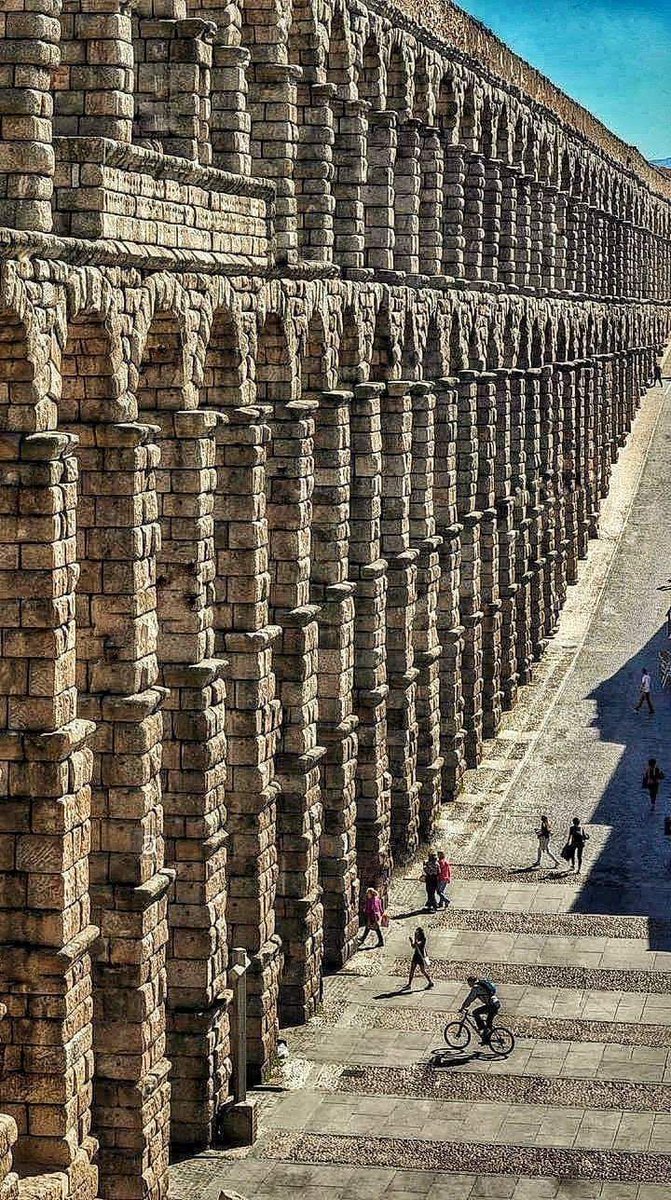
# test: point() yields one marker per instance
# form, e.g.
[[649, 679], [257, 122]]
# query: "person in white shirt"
[[646, 688]]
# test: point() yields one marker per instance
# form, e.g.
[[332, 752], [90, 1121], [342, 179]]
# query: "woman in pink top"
[[373, 914], [444, 877]]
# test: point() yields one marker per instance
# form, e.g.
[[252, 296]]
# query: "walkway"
[[365, 1107]]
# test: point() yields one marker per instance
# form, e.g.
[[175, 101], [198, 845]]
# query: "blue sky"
[[614, 56]]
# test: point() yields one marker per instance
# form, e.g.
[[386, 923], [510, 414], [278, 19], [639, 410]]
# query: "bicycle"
[[458, 1035]]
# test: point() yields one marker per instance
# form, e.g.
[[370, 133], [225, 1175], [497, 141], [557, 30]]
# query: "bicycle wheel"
[[457, 1035], [502, 1041]]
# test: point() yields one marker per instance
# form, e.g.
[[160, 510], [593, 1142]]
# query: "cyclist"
[[485, 991]]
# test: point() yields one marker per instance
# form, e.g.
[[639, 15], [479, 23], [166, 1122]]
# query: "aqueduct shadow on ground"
[[629, 873]]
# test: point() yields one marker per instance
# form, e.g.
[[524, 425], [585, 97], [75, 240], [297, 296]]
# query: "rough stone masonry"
[[320, 329]]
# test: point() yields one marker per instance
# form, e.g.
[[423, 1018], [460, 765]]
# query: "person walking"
[[444, 877], [420, 959], [645, 696], [575, 844], [544, 833], [651, 780], [658, 375], [373, 916], [431, 880]]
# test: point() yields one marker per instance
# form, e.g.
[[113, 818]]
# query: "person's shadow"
[[630, 874]]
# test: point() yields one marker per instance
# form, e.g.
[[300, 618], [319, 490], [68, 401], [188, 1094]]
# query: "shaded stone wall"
[[317, 346]]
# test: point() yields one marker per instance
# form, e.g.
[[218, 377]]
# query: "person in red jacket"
[[444, 877]]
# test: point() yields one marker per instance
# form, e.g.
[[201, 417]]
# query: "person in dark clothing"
[[658, 374], [431, 876], [576, 844], [485, 991], [651, 780], [420, 959], [544, 833]]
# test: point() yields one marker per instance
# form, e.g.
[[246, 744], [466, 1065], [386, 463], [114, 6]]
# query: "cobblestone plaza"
[[322, 328]]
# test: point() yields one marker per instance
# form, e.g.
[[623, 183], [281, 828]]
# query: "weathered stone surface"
[[317, 346]]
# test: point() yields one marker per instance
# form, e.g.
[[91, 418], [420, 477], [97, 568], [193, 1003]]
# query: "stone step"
[[555, 974], [641, 1031], [519, 1147], [527, 997], [572, 924], [532, 1079], [422, 1043], [267, 1178]]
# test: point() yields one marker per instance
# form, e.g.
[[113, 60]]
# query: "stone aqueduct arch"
[[281, 536]]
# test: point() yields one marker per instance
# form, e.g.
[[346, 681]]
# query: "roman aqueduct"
[[320, 331]]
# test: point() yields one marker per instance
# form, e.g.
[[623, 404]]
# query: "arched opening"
[[430, 175], [330, 589], [475, 360], [458, 360], [351, 368], [348, 167], [370, 77], [468, 132], [331, 459], [548, 351], [222, 374], [421, 91], [492, 361], [240, 610], [160, 394], [433, 366], [491, 211], [524, 346], [274, 387], [382, 370], [407, 168], [45, 805], [396, 429], [565, 177], [16, 374], [397, 82], [88, 403], [487, 139], [192, 751], [453, 168], [503, 136], [116, 673], [605, 343], [312, 163], [561, 341], [573, 351], [384, 351], [590, 337], [536, 346], [519, 142], [235, 500], [530, 154], [425, 645], [509, 348], [299, 812], [410, 358]]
